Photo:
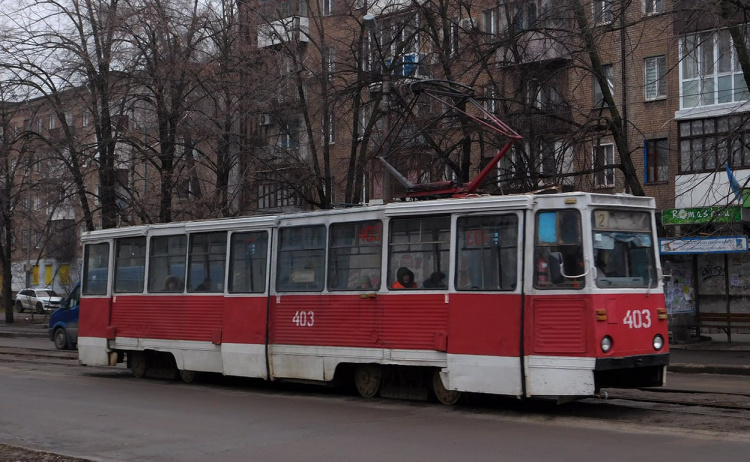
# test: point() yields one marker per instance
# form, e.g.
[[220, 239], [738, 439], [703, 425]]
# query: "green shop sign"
[[700, 215]]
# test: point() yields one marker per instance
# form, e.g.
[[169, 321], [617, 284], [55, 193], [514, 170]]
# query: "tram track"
[[695, 403], [37, 355]]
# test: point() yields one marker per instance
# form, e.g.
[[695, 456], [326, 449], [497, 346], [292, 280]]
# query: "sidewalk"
[[25, 325], [712, 355]]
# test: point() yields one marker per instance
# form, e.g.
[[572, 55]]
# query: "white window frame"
[[654, 7], [655, 85], [489, 22], [598, 94], [606, 177], [331, 135], [703, 71], [327, 7], [490, 99], [52, 121], [602, 11], [330, 63]]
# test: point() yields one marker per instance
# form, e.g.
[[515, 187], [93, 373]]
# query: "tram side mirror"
[[555, 267]]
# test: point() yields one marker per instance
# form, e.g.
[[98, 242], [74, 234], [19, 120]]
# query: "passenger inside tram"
[[404, 279], [172, 283], [435, 281]]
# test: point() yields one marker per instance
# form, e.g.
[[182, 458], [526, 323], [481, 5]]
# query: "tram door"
[[95, 311], [246, 304], [485, 318], [555, 327]]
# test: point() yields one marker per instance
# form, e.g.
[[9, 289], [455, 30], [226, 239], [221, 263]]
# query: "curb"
[[709, 369], [43, 334]]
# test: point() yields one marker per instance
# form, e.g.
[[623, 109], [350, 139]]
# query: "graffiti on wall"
[[678, 291]]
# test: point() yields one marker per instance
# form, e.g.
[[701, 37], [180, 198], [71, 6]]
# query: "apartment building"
[[598, 89]]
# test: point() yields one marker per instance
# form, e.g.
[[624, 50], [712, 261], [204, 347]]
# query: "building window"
[[598, 94], [542, 95], [654, 6], [710, 72], [490, 99], [602, 11], [489, 23], [331, 135], [706, 144], [327, 7], [657, 160], [604, 155], [52, 122], [655, 83], [274, 195], [86, 118], [289, 138], [453, 39], [330, 63], [524, 15]]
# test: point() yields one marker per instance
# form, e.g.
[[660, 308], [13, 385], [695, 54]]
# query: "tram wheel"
[[367, 379], [137, 360], [187, 376], [445, 396]]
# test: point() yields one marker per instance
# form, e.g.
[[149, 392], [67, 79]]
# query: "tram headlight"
[[606, 343], [658, 342]]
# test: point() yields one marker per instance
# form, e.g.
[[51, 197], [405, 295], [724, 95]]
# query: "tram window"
[[166, 265], [487, 253], [421, 245], [624, 251], [248, 262], [208, 261], [96, 269], [301, 259], [558, 241], [355, 254], [130, 264]]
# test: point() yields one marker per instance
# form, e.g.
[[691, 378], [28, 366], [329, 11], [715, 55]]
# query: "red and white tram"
[[531, 296]]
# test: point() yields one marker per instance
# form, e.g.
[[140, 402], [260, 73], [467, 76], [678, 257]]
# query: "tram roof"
[[476, 203]]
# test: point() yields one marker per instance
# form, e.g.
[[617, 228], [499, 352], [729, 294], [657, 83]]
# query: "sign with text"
[[701, 215], [690, 245]]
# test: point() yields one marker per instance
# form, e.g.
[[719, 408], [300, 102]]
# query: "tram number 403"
[[638, 319], [304, 318]]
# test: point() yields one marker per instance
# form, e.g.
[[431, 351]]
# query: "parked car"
[[40, 300], [63, 323]]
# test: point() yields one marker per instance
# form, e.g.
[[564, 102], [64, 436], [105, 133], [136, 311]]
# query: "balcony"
[[549, 119], [293, 28], [537, 46]]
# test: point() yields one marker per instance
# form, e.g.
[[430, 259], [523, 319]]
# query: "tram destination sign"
[[691, 245], [702, 215]]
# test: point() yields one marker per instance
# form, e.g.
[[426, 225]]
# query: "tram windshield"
[[623, 249]]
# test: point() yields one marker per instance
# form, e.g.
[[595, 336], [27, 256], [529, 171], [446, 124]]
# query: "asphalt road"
[[105, 414]]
